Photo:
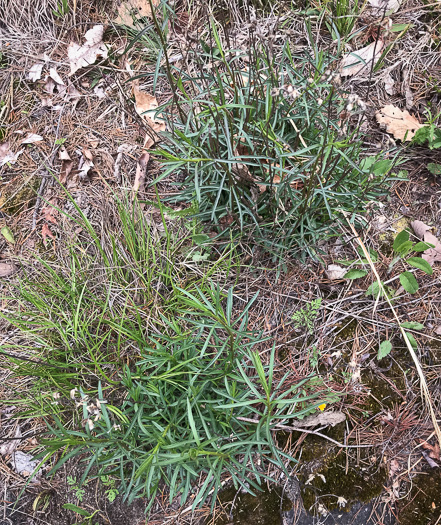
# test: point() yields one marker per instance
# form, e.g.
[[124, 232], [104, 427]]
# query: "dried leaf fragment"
[[335, 272], [130, 11], [31, 138], [55, 76], [6, 269], [146, 105], [85, 55], [141, 170], [6, 155], [401, 124], [35, 72], [66, 164], [45, 233], [86, 163], [385, 6], [423, 232], [362, 60]]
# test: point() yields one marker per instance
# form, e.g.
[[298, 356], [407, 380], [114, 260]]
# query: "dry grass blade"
[[423, 384]]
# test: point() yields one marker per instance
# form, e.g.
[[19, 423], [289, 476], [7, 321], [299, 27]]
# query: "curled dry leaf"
[[335, 272], [31, 138], [130, 11], [362, 60], [86, 163], [66, 165], [385, 6], [6, 269], [423, 232], [146, 105], [35, 72], [85, 55], [401, 124], [6, 155], [389, 84], [123, 148], [53, 74], [141, 170]]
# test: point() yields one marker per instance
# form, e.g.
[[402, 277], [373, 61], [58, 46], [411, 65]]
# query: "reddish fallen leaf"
[[45, 233], [48, 213]]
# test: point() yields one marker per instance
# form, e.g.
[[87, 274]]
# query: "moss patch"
[[331, 482], [263, 509], [423, 505], [15, 197]]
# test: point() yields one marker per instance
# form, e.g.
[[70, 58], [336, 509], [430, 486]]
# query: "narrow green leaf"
[[412, 340], [418, 262], [412, 325], [408, 282], [384, 350], [355, 274], [192, 423], [78, 510]]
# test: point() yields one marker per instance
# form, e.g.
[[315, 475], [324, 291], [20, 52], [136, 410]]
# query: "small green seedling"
[[305, 317], [431, 135], [111, 491], [79, 491]]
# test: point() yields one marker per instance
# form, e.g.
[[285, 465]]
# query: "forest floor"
[[73, 125]]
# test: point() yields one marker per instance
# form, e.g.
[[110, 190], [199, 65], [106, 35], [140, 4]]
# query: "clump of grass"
[[260, 136], [146, 371]]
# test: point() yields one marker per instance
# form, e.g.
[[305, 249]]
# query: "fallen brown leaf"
[[45, 233], [129, 12], [423, 232], [141, 170], [66, 165], [362, 60], [335, 272], [146, 105], [48, 213], [85, 55], [7, 269], [86, 163], [401, 124]]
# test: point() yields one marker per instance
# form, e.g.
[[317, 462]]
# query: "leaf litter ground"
[[92, 136]]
